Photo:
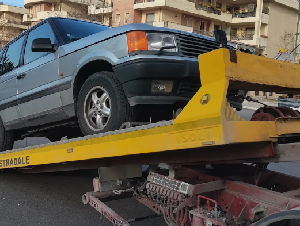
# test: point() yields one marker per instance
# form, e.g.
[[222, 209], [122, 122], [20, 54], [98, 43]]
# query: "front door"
[[10, 62], [38, 83]]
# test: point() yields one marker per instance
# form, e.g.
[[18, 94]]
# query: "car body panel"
[[110, 50], [39, 88]]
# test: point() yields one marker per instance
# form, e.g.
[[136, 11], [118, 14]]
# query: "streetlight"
[[297, 34]]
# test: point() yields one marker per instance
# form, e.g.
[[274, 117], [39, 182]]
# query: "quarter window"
[[43, 31]]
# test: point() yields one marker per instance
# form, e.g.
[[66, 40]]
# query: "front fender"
[[104, 55]]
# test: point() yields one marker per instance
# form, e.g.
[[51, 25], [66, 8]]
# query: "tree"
[[8, 29], [287, 41]]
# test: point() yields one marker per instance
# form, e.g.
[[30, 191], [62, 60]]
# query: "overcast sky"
[[14, 2]]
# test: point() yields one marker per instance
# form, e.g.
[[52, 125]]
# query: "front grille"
[[192, 46], [188, 88]]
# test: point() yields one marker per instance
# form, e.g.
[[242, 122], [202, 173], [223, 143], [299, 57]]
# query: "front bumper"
[[137, 75]]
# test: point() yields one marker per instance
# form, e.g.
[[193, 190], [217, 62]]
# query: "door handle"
[[21, 76]]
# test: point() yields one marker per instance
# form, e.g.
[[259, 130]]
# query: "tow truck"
[[208, 166]]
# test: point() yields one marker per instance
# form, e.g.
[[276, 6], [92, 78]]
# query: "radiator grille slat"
[[191, 46]]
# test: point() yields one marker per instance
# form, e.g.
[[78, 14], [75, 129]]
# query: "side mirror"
[[42, 45]]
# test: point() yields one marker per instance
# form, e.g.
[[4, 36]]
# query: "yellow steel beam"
[[206, 120]]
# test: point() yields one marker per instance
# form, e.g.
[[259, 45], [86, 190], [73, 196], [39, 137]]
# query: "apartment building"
[[258, 25], [11, 22], [104, 10], [42, 9]]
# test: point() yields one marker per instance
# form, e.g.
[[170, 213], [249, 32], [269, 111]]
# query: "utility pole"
[[297, 33]]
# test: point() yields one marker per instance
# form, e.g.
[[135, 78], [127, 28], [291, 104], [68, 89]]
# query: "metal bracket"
[[233, 56], [169, 167]]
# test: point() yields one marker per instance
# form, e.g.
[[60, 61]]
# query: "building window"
[[110, 21], [190, 22], [118, 19], [218, 5], [270, 93], [229, 9], [256, 93], [216, 27], [150, 18], [250, 32], [233, 31], [127, 18], [202, 24]]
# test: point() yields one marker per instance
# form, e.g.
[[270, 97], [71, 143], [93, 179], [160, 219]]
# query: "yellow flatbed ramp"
[[207, 129]]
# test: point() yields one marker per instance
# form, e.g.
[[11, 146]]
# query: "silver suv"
[[66, 77]]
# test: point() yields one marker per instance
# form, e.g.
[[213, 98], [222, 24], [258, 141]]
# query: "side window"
[[43, 31], [11, 59]]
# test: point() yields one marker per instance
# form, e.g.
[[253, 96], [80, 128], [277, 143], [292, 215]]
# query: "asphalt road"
[[55, 198]]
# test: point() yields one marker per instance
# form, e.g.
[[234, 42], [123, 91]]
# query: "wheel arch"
[[86, 70]]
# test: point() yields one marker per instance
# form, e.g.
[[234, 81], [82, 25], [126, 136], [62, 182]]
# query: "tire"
[[102, 105], [6, 138]]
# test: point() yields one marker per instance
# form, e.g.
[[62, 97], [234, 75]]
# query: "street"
[[55, 198]]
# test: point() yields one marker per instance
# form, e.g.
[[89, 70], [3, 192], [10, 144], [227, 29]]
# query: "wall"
[[8, 33], [157, 15], [283, 19], [172, 16], [13, 17], [196, 22], [122, 7]]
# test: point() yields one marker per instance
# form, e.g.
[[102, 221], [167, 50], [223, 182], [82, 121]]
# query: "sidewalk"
[[254, 106]]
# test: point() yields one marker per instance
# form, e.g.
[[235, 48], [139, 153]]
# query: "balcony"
[[101, 9], [189, 7], [13, 9], [249, 17], [172, 25], [13, 23], [28, 18], [45, 14], [250, 39]]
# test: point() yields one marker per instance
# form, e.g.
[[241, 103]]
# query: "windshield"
[[76, 29]]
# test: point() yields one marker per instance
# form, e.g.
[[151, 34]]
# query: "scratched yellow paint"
[[205, 121]]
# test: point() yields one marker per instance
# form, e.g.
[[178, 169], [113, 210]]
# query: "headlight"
[[157, 40], [161, 86]]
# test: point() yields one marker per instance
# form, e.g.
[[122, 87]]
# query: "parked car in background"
[[64, 74]]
